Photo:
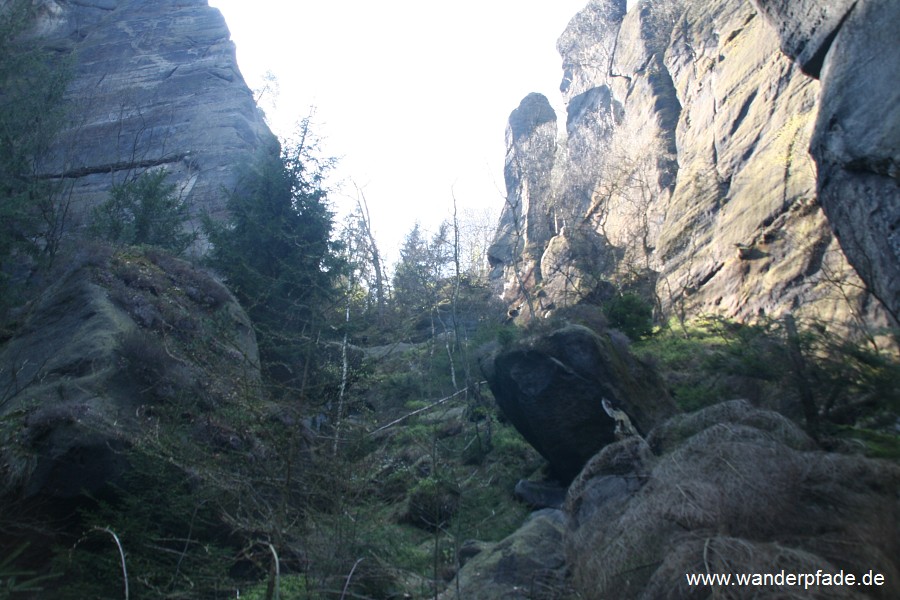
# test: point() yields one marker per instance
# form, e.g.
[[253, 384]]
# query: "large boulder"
[[551, 387], [527, 564], [730, 489]]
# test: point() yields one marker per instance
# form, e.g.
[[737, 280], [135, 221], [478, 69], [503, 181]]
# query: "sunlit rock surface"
[[856, 143], [684, 173]]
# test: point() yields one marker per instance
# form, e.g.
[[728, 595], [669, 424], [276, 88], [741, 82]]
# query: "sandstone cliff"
[[851, 46], [684, 172], [155, 85]]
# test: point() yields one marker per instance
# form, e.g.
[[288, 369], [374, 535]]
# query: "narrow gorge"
[[675, 360]]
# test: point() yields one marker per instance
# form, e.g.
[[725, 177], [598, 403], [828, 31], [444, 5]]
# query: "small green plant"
[[14, 580], [144, 211], [630, 314], [845, 383], [291, 587]]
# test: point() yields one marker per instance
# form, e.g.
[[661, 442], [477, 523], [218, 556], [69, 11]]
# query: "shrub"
[[144, 211], [630, 314], [432, 503]]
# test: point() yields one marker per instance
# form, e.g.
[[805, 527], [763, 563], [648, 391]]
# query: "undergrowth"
[[853, 387]]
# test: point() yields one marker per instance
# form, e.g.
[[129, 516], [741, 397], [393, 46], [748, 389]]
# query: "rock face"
[[729, 489], [684, 172], [524, 228], [551, 388], [807, 28], [119, 344], [852, 47], [528, 564], [155, 85]]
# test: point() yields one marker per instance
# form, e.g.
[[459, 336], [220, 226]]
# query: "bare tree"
[[365, 223]]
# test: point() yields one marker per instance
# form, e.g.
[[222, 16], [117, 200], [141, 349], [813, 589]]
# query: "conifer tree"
[[276, 253], [144, 211], [32, 82]]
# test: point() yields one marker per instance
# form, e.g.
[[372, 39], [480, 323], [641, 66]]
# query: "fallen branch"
[[421, 410]]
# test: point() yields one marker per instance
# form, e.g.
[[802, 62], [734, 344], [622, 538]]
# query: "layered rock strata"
[[154, 85], [852, 47], [684, 173]]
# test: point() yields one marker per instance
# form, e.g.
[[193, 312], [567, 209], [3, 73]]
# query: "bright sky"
[[412, 96]]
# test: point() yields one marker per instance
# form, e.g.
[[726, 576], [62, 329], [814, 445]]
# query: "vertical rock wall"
[[684, 172], [852, 47], [155, 85]]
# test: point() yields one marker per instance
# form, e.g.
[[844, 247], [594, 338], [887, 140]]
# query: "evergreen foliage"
[[276, 253], [850, 384], [630, 314], [420, 274], [32, 82], [144, 211]]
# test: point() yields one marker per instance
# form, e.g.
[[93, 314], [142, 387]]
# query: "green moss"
[[877, 444], [292, 587]]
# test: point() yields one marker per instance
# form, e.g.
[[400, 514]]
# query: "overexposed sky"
[[411, 95]]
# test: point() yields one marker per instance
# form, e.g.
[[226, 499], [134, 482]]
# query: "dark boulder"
[[540, 494], [550, 387]]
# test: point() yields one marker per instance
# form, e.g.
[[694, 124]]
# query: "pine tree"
[[421, 272], [276, 253], [32, 82], [144, 211]]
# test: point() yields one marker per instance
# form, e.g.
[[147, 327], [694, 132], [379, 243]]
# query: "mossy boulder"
[[550, 386], [527, 564], [119, 345], [729, 489]]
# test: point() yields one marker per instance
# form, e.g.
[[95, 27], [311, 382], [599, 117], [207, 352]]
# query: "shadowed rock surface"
[[119, 341], [551, 387], [729, 489], [155, 85]]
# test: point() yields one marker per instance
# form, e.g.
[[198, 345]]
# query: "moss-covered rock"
[[729, 489], [528, 564], [551, 387], [122, 342]]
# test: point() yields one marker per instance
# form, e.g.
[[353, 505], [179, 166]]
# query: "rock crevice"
[[681, 165]]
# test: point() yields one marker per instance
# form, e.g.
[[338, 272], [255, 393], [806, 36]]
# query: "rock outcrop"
[[551, 388], [154, 85], [852, 47], [684, 172], [121, 343], [730, 489]]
